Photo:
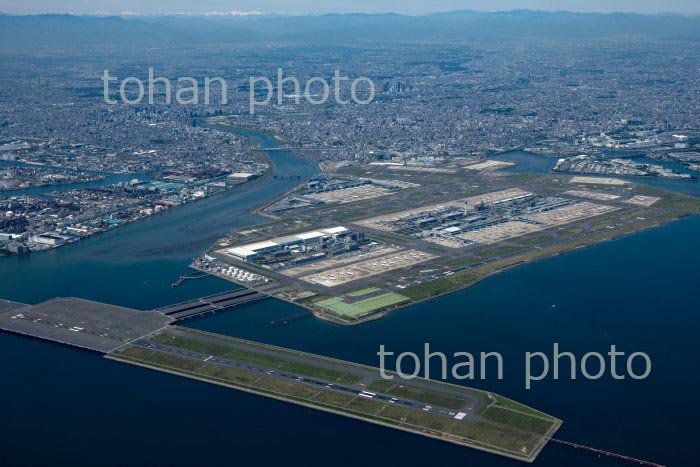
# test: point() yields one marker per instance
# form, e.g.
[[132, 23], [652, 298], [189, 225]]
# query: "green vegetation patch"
[[381, 301], [413, 417], [496, 436], [333, 398], [257, 358], [226, 373], [364, 306], [321, 373], [381, 385], [174, 361], [500, 436], [138, 353], [303, 369], [206, 348], [339, 306], [427, 289], [519, 420], [286, 387], [509, 404], [365, 406]]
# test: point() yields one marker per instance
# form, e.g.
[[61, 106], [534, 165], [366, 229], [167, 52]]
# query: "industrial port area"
[[366, 240]]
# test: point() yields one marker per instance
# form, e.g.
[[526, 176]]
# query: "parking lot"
[[371, 267], [515, 228], [349, 195], [641, 200], [340, 261], [591, 195], [489, 165], [598, 181]]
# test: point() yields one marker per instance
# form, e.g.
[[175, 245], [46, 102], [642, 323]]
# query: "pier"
[[290, 319], [601, 452], [184, 277]]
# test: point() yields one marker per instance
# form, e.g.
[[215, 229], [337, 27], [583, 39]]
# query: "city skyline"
[[311, 7]]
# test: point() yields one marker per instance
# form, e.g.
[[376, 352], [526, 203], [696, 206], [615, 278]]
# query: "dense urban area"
[[72, 165]]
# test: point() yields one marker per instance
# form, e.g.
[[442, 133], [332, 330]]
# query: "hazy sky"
[[338, 6]]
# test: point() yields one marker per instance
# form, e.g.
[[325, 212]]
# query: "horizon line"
[[256, 13]]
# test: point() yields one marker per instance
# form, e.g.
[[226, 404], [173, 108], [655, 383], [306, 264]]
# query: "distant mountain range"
[[60, 30]]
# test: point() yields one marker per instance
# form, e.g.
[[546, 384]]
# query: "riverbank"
[[218, 125], [149, 255], [36, 248], [538, 163]]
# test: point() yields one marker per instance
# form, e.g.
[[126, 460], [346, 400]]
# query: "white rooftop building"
[[252, 250]]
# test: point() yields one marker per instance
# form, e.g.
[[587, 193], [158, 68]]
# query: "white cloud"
[[244, 13]]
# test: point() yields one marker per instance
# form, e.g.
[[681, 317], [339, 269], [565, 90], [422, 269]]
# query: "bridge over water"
[[211, 304], [103, 328]]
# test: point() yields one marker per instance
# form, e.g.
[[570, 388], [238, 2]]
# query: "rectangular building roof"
[[252, 248], [261, 245], [288, 240], [310, 235], [241, 252], [335, 230]]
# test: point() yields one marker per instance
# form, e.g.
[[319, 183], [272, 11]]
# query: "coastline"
[[355, 413], [333, 411], [484, 270], [226, 191], [518, 260], [382, 313]]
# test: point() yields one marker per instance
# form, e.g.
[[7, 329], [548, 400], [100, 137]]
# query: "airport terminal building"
[[302, 242]]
